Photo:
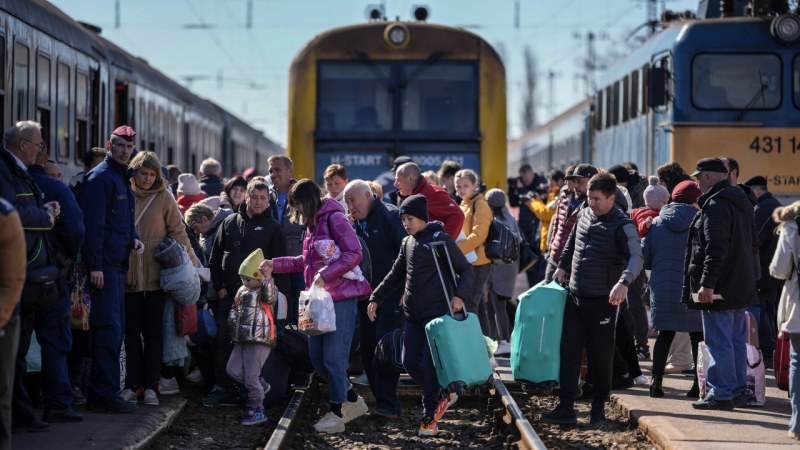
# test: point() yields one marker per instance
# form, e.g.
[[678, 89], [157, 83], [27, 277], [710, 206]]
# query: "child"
[[424, 300], [655, 196], [252, 329]]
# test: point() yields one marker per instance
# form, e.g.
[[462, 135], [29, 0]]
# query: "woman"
[[335, 177], [784, 266], [235, 191], [664, 251], [477, 220], [325, 222], [504, 276], [670, 174], [156, 217]]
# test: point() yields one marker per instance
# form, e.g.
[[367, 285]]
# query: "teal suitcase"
[[536, 339], [458, 348]]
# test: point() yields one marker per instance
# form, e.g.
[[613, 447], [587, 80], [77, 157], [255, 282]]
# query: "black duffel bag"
[[388, 356], [41, 288], [292, 346]]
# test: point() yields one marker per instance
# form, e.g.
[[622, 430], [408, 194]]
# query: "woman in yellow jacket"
[[477, 220], [544, 208]]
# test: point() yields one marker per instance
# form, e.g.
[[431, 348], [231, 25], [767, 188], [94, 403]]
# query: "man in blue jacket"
[[108, 209], [380, 226]]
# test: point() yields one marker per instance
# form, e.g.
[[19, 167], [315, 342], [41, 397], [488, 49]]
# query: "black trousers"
[[144, 338], [591, 323], [383, 385]]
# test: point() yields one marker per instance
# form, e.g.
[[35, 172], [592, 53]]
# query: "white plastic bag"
[[756, 377], [315, 312]]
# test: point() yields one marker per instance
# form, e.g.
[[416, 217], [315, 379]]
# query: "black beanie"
[[416, 205]]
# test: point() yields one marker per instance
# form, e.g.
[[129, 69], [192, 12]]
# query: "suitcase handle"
[[447, 295]]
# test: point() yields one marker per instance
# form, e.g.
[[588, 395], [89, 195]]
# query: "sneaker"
[[623, 382], [128, 395], [676, 369], [254, 416], [428, 426], [78, 399], [561, 415], [264, 385], [168, 386], [360, 380], [597, 415], [713, 404], [792, 435], [643, 353], [740, 400], [220, 397], [452, 399], [640, 380], [195, 377], [150, 397], [330, 423], [354, 410], [503, 348], [441, 408]]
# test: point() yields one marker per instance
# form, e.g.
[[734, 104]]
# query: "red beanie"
[[686, 192]]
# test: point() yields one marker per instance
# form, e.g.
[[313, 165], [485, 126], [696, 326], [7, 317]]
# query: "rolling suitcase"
[[781, 362], [458, 348], [536, 339]]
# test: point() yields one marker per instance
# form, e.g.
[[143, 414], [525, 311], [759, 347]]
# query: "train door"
[[120, 103], [96, 137], [661, 96]]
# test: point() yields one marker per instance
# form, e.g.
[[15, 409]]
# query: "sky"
[[202, 42]]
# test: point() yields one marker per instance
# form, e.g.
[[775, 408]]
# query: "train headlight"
[[397, 35], [786, 28]]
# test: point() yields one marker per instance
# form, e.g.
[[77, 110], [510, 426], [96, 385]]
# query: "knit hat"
[[686, 192], [212, 202], [249, 267], [188, 185], [655, 194], [496, 198], [415, 205]]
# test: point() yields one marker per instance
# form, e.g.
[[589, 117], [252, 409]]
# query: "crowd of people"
[[110, 248]]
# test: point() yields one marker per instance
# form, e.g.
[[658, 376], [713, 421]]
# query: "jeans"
[[794, 381], [383, 385], [144, 338], [725, 334], [419, 364], [330, 352], [475, 301], [498, 317], [9, 341]]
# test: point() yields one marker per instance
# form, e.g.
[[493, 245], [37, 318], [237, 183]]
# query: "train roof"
[[577, 111]]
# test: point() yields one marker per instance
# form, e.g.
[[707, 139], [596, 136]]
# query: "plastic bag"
[[315, 312]]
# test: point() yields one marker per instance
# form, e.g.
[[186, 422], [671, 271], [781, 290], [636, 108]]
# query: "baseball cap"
[[710, 165], [582, 171]]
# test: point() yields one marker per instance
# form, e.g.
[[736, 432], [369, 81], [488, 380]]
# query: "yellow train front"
[[362, 95]]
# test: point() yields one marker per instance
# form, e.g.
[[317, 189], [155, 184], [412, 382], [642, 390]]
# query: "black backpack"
[[389, 353], [292, 347], [501, 245]]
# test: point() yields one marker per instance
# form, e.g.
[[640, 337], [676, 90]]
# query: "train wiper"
[[752, 101], [432, 59], [367, 61]]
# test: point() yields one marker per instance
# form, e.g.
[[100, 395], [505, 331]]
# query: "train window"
[[354, 97], [62, 112], [21, 82], [645, 93], [736, 81], [441, 98], [609, 105], [598, 111], [43, 81], [634, 94], [626, 98], [81, 95], [615, 110]]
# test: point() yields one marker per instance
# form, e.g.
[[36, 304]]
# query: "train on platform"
[[697, 88], [362, 95], [80, 86]]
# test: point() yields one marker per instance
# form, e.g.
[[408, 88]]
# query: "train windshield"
[[727, 81], [439, 98], [354, 97]]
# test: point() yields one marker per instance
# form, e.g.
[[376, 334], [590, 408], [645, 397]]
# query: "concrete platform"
[[106, 431]]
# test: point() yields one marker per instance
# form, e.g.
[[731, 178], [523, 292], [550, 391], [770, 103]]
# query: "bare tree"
[[529, 99]]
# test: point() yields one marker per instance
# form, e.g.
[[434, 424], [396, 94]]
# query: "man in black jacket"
[[210, 177], [720, 280], [380, 226], [602, 257], [521, 191]]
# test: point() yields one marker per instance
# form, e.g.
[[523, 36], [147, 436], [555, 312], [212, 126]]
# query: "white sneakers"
[[641, 380], [168, 386], [128, 395], [330, 423], [353, 410], [150, 397], [195, 376], [503, 348]]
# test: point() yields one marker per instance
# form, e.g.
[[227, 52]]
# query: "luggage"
[[457, 346], [781, 360], [536, 339], [388, 356], [703, 361], [756, 385], [276, 373], [292, 347]]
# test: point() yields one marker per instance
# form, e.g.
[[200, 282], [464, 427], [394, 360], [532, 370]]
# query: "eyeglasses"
[[42, 145]]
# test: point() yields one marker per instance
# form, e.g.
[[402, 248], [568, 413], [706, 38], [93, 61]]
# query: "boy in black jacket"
[[423, 301]]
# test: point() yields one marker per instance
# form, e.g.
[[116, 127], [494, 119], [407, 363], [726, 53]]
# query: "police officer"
[[108, 209]]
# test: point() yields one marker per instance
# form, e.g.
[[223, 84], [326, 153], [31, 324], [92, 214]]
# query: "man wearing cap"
[[386, 180], [523, 191], [768, 286], [108, 211], [441, 206], [720, 280]]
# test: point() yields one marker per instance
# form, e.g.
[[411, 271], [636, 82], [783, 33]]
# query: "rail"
[[281, 437], [529, 439]]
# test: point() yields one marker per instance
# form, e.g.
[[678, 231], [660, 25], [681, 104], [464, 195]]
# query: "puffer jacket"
[[721, 250], [664, 250], [252, 317], [544, 211], [330, 223], [415, 268], [477, 221], [563, 223], [784, 266]]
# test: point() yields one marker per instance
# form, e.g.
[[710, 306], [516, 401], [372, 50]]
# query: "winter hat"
[[249, 267], [686, 192], [415, 205], [655, 194], [188, 185], [212, 202], [496, 198], [621, 173]]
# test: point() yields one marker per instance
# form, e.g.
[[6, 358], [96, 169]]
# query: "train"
[[724, 86], [80, 86], [361, 95]]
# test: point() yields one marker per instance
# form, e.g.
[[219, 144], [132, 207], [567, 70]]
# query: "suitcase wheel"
[[457, 387]]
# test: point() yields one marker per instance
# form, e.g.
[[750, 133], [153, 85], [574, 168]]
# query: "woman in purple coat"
[[327, 226]]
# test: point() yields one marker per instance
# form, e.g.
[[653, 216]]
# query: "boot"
[[694, 392], [655, 386]]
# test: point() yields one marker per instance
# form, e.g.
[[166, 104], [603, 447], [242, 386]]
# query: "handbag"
[[41, 288], [527, 257], [80, 300], [185, 319], [206, 326], [388, 356]]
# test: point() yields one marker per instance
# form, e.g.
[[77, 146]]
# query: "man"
[[523, 191], [210, 177], [240, 234], [768, 286], [386, 179], [720, 280], [173, 172], [52, 170], [569, 205], [108, 212], [90, 160], [447, 176], [632, 181], [380, 226], [602, 257], [409, 181]]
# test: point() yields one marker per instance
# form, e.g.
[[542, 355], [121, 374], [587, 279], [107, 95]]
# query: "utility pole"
[[516, 14], [551, 94], [116, 14], [249, 19], [590, 63]]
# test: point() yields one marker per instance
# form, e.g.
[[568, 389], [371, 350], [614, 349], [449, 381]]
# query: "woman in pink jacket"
[[337, 270]]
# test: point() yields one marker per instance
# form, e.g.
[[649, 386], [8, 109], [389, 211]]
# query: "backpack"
[[501, 245]]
